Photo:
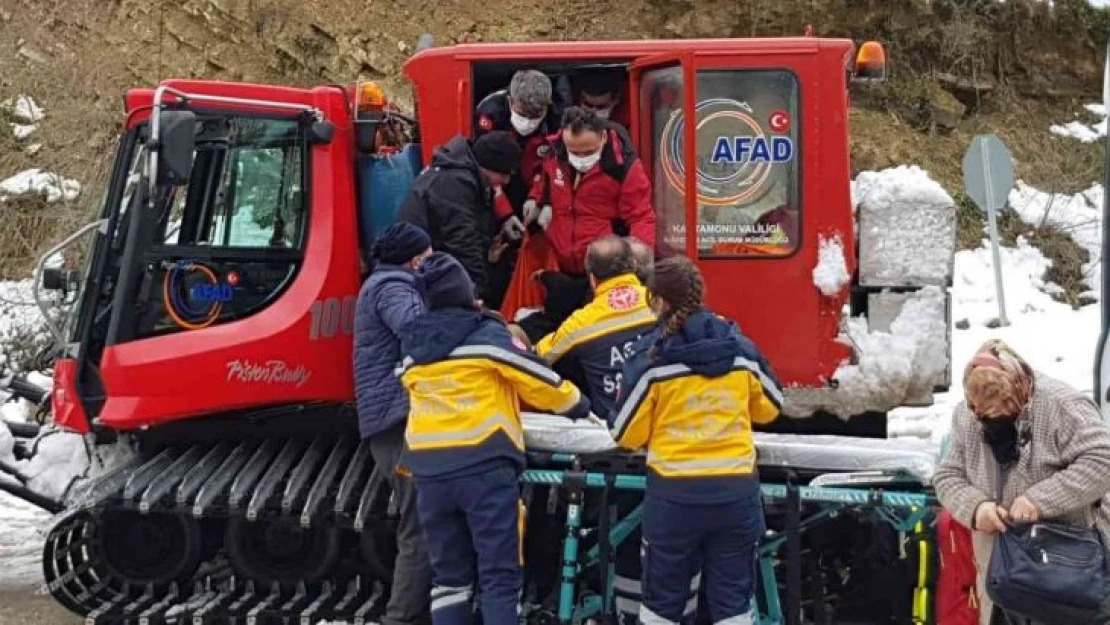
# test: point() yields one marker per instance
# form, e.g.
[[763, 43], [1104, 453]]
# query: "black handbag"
[[1049, 572]]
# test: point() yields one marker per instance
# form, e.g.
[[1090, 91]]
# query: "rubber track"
[[325, 483]]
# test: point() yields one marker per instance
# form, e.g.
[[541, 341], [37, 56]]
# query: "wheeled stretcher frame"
[[574, 475]]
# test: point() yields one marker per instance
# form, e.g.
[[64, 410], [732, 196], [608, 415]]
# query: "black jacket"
[[452, 201]]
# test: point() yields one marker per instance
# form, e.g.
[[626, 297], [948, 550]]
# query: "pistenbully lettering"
[[270, 372]]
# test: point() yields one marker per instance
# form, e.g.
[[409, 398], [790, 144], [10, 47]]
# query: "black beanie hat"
[[446, 283], [400, 243], [498, 152]]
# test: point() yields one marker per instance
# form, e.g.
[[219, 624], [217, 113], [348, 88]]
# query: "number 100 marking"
[[332, 316]]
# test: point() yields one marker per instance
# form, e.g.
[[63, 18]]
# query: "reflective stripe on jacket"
[[597, 339], [465, 396], [693, 407]]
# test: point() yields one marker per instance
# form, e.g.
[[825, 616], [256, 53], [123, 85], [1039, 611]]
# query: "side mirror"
[[177, 137]]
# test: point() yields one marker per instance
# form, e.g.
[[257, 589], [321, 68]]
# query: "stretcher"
[[808, 481]]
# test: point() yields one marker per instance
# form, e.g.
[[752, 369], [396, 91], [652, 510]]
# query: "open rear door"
[[663, 87], [723, 135]]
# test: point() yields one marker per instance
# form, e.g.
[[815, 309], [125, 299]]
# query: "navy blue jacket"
[[388, 300]]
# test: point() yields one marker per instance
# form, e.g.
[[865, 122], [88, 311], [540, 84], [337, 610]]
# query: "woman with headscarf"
[[1046, 439]]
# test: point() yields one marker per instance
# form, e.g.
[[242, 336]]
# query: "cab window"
[[230, 241], [251, 190], [747, 150]]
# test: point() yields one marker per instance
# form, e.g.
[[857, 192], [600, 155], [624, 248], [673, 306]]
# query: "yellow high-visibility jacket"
[[693, 406], [594, 343], [466, 380]]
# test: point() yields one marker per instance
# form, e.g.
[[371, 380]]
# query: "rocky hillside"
[[957, 67]]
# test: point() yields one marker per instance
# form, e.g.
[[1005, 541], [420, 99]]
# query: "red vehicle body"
[[211, 338], [272, 356]]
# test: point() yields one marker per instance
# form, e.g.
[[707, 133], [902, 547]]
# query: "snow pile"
[[1054, 338], [1024, 287], [893, 367], [32, 182], [23, 331], [26, 114], [831, 273], [907, 228], [1077, 215], [60, 460], [1087, 133]]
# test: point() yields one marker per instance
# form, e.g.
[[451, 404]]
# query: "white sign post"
[[988, 178]]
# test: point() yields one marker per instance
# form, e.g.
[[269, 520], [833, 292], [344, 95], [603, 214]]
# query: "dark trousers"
[[412, 572], [473, 525], [628, 569], [720, 540]]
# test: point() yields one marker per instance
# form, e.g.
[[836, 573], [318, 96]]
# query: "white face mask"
[[604, 113], [584, 163], [523, 125]]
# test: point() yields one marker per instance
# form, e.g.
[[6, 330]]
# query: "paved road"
[[24, 607]]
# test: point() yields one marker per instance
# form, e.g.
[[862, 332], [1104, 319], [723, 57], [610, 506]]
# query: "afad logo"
[[194, 295]]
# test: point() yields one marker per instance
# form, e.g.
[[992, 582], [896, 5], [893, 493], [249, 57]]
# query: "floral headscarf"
[[997, 382]]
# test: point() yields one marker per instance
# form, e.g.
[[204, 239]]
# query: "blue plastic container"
[[384, 183]]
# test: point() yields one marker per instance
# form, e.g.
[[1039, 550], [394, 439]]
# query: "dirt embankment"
[[957, 67]]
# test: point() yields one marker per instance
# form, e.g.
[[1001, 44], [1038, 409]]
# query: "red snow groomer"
[[211, 338]]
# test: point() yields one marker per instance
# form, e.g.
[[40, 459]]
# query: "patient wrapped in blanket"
[[912, 458]]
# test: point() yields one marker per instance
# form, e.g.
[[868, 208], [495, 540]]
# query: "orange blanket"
[[524, 291]]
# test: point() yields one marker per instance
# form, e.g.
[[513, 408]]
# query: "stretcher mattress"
[[825, 454]]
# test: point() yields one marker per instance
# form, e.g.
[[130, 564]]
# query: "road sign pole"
[[996, 260], [996, 255], [988, 178]]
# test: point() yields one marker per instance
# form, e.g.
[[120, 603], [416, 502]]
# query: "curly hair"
[[679, 284]]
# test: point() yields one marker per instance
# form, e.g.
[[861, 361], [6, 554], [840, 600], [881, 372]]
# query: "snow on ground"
[[35, 181], [26, 114], [1082, 131], [22, 330], [1078, 215], [60, 459], [1054, 338]]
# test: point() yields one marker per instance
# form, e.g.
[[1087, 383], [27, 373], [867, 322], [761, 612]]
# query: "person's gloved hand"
[[531, 211], [513, 229], [544, 218]]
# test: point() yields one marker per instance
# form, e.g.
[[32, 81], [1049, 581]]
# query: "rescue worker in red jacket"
[[601, 90], [591, 179], [525, 110], [465, 443], [690, 395]]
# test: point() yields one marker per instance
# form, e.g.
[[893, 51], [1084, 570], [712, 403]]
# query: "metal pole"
[[1104, 303], [992, 220]]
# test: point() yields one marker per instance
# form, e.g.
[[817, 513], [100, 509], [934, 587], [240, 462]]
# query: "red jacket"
[[584, 206]]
